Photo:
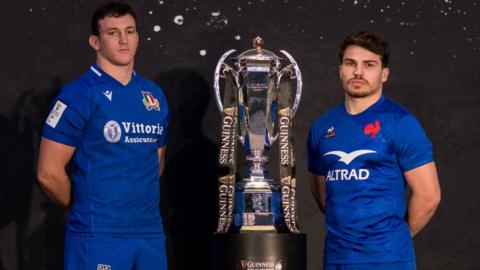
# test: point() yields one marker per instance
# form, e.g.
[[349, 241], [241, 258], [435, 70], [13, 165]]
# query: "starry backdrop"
[[435, 73]]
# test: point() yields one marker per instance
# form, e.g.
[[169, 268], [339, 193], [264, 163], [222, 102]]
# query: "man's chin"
[[123, 63], [358, 93]]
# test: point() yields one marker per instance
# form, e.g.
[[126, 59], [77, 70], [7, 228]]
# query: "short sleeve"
[[315, 160], [162, 141], [412, 146], [67, 118]]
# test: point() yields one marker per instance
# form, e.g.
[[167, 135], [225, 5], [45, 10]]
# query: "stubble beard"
[[360, 92]]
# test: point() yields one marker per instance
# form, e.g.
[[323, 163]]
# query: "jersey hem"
[[417, 164], [368, 261]]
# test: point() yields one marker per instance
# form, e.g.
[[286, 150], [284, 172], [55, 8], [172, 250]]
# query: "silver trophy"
[[257, 93]]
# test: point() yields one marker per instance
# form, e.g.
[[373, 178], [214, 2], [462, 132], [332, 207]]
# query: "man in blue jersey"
[[361, 155], [111, 126]]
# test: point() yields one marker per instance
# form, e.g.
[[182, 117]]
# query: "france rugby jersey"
[[363, 158], [116, 130]]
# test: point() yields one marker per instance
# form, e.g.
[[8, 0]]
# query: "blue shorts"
[[114, 253], [371, 266]]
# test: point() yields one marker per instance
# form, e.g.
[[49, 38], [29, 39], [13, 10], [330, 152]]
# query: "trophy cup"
[[257, 93]]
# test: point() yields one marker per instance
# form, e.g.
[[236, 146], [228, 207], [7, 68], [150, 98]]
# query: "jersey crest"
[[150, 102], [372, 129]]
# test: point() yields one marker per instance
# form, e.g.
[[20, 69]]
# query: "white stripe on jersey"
[[96, 71]]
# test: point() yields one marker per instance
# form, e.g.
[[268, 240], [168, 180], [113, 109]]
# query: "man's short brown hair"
[[110, 9], [369, 41]]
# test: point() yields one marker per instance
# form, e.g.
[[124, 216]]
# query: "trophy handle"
[[298, 74], [216, 84]]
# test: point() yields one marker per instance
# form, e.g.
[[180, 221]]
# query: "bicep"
[[423, 180], [53, 155]]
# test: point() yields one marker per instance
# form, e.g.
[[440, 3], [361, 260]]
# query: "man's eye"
[[131, 31], [112, 33]]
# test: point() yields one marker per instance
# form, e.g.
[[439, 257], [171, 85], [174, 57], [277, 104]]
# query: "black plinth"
[[259, 251]]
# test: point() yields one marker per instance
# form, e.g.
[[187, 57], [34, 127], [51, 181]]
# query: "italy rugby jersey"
[[116, 130], [363, 158]]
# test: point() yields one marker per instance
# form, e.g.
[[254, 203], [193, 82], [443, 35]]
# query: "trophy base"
[[255, 251], [257, 228]]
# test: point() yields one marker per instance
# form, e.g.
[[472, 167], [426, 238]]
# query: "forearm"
[[321, 205], [318, 199], [57, 187], [317, 186], [161, 158], [162, 165], [420, 211]]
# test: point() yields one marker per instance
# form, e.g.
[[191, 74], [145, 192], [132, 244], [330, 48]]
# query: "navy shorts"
[[372, 266], [114, 253]]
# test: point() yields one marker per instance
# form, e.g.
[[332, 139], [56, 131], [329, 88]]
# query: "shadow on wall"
[[188, 185], [31, 227]]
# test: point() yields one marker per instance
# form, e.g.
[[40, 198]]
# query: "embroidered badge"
[[330, 132], [103, 267], [56, 113], [150, 101], [371, 129]]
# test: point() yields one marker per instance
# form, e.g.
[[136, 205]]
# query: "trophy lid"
[[258, 54]]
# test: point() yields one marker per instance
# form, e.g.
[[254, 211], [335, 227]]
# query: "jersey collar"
[[373, 106], [104, 77]]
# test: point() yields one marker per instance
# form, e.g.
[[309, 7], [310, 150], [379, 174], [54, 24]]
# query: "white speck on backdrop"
[[178, 19]]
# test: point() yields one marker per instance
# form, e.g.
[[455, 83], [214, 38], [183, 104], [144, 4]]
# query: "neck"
[[355, 105], [123, 74]]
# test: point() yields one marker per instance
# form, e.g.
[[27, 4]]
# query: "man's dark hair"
[[369, 41], [110, 9]]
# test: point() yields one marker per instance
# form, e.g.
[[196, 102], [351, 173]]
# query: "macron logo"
[[108, 94], [349, 157]]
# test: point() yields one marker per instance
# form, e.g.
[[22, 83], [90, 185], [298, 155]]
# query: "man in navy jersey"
[[110, 124], [361, 155]]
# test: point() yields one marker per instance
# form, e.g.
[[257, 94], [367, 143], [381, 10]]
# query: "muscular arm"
[[317, 185], [53, 157], [161, 158], [425, 196]]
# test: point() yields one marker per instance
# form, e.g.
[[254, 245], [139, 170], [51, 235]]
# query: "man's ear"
[[385, 73], [94, 42]]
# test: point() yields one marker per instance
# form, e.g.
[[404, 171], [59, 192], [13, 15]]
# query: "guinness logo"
[[227, 180], [261, 264]]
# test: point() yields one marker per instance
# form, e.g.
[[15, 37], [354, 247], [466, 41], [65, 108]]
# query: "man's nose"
[[123, 38], [358, 70]]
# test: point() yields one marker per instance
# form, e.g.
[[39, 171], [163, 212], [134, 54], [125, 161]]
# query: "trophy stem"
[[257, 165]]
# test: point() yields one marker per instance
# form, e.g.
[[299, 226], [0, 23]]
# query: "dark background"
[[435, 73]]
